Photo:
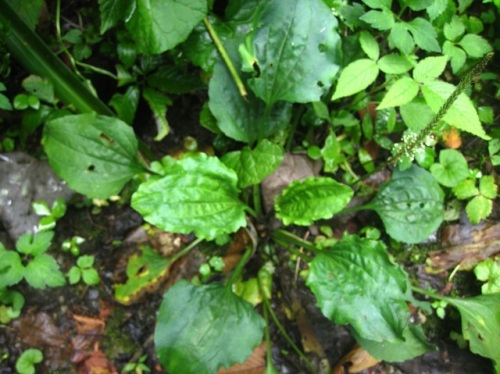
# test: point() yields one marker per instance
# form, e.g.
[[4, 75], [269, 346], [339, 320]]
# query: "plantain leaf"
[[252, 166], [347, 282], [296, 50], [305, 201], [410, 205], [203, 328], [197, 194], [95, 155]]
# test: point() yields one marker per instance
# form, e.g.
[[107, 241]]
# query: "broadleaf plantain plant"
[[278, 71]]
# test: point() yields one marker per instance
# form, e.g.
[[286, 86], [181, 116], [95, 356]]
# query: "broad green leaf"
[[481, 324], [478, 209], [306, 201], [474, 45], [252, 166], [30, 11], [160, 25], [203, 328], [90, 277], [436, 8], [11, 269], [115, 11], [243, 119], [126, 104], [34, 244], [489, 271], [378, 4], [416, 114], [466, 189], [355, 77], [417, 4], [198, 194], [412, 345], [401, 38], [454, 29], [85, 261], [487, 186], [296, 51], [144, 270], [39, 87], [347, 282], [174, 80], [424, 34], [452, 168], [25, 364], [5, 103], [462, 113], [429, 68], [410, 205], [380, 20], [43, 271], [369, 45], [95, 155], [456, 55], [158, 102], [401, 92], [394, 64]]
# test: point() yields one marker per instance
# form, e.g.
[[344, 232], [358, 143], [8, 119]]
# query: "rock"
[[23, 180]]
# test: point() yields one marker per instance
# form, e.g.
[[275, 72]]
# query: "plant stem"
[[31, 52], [287, 237], [282, 330], [409, 147], [225, 57], [239, 268], [257, 204], [185, 250], [428, 293]]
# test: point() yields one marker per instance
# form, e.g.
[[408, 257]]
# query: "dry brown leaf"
[[465, 245], [255, 364], [355, 361], [235, 249]]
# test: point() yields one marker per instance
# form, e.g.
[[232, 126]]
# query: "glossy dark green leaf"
[[126, 104], [481, 324], [95, 155], [414, 344], [410, 205], [203, 328], [296, 50], [115, 11], [197, 194], [304, 202], [160, 25], [356, 283], [253, 165], [245, 119]]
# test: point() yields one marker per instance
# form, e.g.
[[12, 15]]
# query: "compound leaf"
[[203, 328], [347, 279], [356, 77], [401, 92], [34, 244], [424, 34], [198, 194], [95, 155], [11, 268], [410, 205], [44, 271], [429, 68], [305, 201], [462, 114], [295, 49], [394, 64], [252, 166], [380, 20], [160, 25], [474, 45]]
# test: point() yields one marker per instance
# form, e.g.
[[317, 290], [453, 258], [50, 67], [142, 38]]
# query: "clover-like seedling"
[[25, 364], [50, 215], [84, 271], [30, 262]]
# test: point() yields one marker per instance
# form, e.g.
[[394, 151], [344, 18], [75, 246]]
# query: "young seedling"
[[25, 364], [84, 271]]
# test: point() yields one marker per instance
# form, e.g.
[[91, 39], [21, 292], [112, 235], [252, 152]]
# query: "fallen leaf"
[[465, 245], [255, 364], [355, 361]]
